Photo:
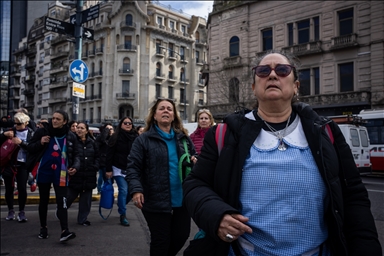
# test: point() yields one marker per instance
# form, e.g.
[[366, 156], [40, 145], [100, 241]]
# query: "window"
[[125, 87], [197, 36], [170, 92], [93, 68], [128, 20], [92, 90], [84, 114], [364, 138], [345, 22], [305, 82], [172, 25], [290, 34], [346, 77], [102, 44], [303, 31], [91, 115], [182, 95], [158, 49], [100, 90], [355, 138], [158, 90], [170, 72], [170, 50], [126, 65], [317, 28], [267, 39], [159, 21], [316, 73], [127, 42], [182, 53], [46, 96], [45, 110], [201, 97], [197, 57], [234, 90], [100, 68], [158, 69], [99, 114], [234, 46], [183, 29], [182, 75]]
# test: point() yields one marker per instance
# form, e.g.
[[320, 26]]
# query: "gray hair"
[[23, 118]]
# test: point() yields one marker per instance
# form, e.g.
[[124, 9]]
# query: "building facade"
[[340, 45], [141, 51]]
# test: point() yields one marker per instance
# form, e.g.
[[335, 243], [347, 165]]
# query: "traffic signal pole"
[[78, 50]]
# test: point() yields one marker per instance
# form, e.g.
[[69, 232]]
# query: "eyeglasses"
[[127, 123], [18, 123], [282, 70], [204, 110]]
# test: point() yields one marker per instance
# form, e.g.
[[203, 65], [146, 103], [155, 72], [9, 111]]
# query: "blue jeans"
[[122, 196], [100, 179]]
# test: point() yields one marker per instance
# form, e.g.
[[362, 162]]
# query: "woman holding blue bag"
[[119, 147]]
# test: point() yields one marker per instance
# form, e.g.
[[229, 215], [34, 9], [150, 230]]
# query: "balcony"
[[56, 85], [32, 50], [184, 82], [126, 48], [29, 92], [126, 72], [127, 25], [172, 79], [100, 51], [93, 97], [303, 49], [233, 62], [30, 79], [58, 69], [345, 41], [39, 102], [30, 65], [125, 95], [59, 54], [98, 74], [58, 39], [20, 49], [15, 73], [84, 55], [15, 86], [337, 99], [160, 76], [91, 53], [57, 100]]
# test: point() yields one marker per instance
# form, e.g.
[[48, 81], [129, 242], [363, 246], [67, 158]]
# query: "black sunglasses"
[[127, 123], [282, 70], [18, 123]]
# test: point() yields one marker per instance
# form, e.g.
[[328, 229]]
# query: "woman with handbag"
[[83, 181], [119, 147], [20, 135], [155, 177]]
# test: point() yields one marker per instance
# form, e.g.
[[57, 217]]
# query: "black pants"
[[61, 201], [85, 202], [21, 178], [169, 231]]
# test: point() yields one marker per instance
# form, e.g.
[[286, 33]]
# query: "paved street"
[[101, 238]]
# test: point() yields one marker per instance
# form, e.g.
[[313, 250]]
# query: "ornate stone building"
[[142, 51], [340, 45]]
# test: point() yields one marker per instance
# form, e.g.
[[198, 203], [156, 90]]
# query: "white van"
[[358, 140]]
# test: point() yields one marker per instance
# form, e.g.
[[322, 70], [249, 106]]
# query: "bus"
[[374, 121]]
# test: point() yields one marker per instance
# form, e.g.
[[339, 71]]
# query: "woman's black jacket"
[[85, 177], [212, 189], [117, 154], [148, 169], [102, 143], [36, 150]]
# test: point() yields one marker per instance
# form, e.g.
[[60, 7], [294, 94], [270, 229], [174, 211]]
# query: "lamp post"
[[185, 84]]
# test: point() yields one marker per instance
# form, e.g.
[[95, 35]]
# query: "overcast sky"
[[197, 8]]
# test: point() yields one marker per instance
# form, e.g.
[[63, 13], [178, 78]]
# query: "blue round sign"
[[78, 70]]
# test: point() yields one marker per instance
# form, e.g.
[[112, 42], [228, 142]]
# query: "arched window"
[[170, 72], [234, 90], [197, 36], [182, 74], [158, 69], [126, 65], [128, 20], [234, 46]]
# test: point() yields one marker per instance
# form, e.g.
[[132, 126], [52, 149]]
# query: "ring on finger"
[[229, 237]]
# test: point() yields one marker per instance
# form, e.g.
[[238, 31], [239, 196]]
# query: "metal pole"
[[185, 95], [78, 49]]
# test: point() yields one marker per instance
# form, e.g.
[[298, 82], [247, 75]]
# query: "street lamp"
[[185, 84]]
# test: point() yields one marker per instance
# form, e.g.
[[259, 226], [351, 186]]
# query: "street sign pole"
[[78, 50]]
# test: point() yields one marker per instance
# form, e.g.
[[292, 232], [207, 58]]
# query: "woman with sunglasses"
[[155, 178], [204, 122], [83, 181], [16, 169], [285, 182], [119, 147]]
